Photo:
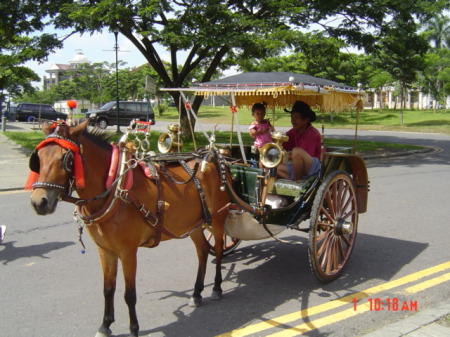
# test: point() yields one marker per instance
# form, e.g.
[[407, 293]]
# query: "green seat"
[[246, 182]]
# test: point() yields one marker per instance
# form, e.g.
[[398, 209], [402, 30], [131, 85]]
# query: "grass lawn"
[[30, 139], [388, 120], [413, 120]]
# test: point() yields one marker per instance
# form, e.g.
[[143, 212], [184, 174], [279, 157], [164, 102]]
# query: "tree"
[[435, 78], [19, 20], [437, 30], [90, 80], [14, 78], [401, 53], [316, 55], [435, 75], [215, 34]]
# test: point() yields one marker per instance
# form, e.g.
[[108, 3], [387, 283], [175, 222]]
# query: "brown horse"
[[120, 229]]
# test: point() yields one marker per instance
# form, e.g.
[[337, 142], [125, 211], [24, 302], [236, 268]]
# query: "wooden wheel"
[[334, 224], [229, 243]]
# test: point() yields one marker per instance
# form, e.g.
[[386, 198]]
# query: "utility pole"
[[116, 49]]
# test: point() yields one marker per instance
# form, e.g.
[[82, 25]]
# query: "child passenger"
[[260, 128]]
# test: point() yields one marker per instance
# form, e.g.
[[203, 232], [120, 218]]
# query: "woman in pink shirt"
[[305, 142]]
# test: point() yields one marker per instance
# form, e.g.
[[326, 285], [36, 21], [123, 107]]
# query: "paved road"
[[49, 289]]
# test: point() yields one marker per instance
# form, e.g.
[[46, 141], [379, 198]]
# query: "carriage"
[[266, 205], [131, 197]]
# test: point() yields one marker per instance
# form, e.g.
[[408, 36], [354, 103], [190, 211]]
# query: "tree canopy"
[[212, 35]]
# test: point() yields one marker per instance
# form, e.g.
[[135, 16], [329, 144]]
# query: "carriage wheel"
[[229, 243], [334, 224]]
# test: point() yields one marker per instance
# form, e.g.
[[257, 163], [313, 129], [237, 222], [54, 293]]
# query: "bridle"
[[71, 162]]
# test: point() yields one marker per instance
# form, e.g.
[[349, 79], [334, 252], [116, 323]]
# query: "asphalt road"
[[48, 288]]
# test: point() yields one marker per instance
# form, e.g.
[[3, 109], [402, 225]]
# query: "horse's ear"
[[77, 129], [48, 128]]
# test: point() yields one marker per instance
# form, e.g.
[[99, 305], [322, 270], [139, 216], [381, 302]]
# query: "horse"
[[142, 216]]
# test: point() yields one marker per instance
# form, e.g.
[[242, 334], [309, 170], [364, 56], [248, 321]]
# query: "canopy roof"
[[281, 89]]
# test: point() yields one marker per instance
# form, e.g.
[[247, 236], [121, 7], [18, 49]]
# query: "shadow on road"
[[11, 253], [277, 274]]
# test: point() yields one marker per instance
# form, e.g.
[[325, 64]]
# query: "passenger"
[[305, 142], [260, 128]]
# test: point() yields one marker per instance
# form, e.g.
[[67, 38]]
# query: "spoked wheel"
[[229, 243], [334, 224]]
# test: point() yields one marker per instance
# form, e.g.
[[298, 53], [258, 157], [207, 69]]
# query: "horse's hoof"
[[106, 333], [216, 295], [195, 302]]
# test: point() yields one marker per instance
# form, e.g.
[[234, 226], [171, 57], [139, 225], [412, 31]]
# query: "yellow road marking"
[[321, 322], [318, 323], [254, 328], [427, 284], [13, 191]]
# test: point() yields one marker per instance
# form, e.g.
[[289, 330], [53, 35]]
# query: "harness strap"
[[191, 173], [206, 213], [103, 214]]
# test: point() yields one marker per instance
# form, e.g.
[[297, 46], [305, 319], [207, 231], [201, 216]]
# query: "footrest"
[[288, 187]]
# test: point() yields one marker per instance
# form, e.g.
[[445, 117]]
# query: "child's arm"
[[252, 129], [271, 128]]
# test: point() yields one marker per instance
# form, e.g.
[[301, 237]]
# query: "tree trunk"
[[187, 128]]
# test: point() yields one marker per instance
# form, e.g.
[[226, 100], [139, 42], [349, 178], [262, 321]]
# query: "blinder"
[[67, 162], [34, 163]]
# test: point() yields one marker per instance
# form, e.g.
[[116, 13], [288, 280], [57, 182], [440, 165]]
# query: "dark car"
[[30, 111], [107, 114]]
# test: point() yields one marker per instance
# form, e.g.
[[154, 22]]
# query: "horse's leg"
[[218, 249], [109, 265], [202, 247], [129, 266]]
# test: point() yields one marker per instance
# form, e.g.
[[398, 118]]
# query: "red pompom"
[[72, 104]]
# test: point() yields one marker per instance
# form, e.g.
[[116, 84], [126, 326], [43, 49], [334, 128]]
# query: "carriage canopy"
[[280, 90]]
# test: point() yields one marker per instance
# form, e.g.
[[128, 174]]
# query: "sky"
[[98, 47]]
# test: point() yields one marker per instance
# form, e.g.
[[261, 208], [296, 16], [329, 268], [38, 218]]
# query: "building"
[[388, 98], [61, 72]]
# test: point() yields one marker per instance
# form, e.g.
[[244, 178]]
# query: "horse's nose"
[[40, 206]]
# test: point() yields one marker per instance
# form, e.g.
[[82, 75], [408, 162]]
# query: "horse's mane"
[[98, 136]]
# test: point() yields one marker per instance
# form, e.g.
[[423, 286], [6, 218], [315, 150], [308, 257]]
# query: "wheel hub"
[[344, 227]]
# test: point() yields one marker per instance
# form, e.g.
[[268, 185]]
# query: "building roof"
[[261, 79], [59, 66], [79, 58]]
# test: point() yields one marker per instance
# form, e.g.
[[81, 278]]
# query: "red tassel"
[[32, 178], [79, 171]]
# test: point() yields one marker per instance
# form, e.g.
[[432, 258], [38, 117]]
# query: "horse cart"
[[131, 197], [266, 205]]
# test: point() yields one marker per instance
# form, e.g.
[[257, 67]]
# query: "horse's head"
[[55, 162]]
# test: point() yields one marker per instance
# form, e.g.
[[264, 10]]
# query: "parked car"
[[107, 114], [30, 111], [10, 112]]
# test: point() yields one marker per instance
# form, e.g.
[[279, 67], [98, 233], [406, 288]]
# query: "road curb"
[[427, 149]]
